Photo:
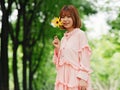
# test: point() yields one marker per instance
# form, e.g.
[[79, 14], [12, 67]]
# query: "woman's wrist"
[[57, 49]]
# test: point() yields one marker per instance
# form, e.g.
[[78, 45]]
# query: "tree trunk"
[[15, 74], [24, 69], [15, 47], [30, 75], [24, 46], [4, 84]]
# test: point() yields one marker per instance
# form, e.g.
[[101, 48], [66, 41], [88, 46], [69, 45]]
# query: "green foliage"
[[116, 23], [105, 63]]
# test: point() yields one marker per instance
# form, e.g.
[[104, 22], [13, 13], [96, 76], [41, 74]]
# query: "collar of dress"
[[69, 34]]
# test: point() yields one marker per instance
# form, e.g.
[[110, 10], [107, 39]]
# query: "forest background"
[[26, 36]]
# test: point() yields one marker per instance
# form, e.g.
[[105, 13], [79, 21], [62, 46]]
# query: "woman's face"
[[67, 22]]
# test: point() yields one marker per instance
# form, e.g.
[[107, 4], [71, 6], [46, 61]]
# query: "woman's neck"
[[70, 29]]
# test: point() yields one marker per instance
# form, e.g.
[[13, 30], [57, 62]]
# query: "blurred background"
[[26, 36]]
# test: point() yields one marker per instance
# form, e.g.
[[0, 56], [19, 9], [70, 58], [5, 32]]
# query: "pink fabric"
[[72, 61]]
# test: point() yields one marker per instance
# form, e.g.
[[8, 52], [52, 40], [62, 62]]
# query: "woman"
[[72, 53]]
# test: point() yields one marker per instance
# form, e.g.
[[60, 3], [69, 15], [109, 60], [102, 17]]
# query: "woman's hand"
[[56, 42], [82, 84]]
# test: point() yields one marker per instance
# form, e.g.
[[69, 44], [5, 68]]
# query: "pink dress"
[[72, 61]]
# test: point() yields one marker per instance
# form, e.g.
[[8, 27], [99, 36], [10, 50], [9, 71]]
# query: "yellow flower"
[[55, 22]]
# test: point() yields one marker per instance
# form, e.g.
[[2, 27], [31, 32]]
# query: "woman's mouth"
[[65, 23]]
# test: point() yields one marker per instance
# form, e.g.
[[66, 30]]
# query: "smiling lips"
[[65, 23]]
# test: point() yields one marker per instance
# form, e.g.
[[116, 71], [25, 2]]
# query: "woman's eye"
[[69, 16], [62, 16]]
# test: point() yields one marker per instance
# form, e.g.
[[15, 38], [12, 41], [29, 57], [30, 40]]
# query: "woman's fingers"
[[83, 88], [56, 42], [82, 83]]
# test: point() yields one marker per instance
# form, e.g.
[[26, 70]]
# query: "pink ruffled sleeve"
[[56, 54], [84, 58]]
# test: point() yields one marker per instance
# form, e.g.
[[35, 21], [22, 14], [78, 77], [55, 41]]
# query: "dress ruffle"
[[69, 78], [73, 70], [85, 53]]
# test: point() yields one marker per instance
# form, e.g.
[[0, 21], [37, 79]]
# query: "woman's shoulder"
[[80, 31]]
